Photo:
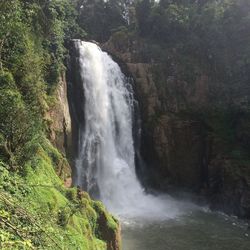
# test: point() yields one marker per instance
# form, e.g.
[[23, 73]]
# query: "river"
[[198, 230]]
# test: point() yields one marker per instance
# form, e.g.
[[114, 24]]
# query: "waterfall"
[[106, 158]]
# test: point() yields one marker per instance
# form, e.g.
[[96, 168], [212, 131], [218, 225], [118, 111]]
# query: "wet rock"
[[190, 127]]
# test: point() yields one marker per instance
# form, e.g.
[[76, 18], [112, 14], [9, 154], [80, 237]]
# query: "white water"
[[106, 157]]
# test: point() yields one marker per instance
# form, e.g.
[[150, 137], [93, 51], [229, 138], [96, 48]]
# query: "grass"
[[62, 219]]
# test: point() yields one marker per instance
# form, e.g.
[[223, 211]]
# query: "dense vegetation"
[[213, 34], [32, 51], [36, 210], [184, 37]]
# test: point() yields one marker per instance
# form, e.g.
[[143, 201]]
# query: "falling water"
[[106, 161], [106, 167]]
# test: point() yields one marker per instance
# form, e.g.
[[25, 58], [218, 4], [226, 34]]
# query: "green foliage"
[[32, 51], [71, 194], [112, 222], [101, 18], [33, 35], [63, 216], [214, 33], [37, 212], [6, 80], [57, 22], [209, 35], [18, 127]]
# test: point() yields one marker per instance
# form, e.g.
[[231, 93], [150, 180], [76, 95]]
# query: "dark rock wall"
[[75, 98], [194, 131]]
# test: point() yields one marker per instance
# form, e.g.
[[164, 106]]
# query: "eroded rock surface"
[[194, 129]]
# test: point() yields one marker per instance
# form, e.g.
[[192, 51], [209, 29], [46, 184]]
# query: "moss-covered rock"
[[63, 219]]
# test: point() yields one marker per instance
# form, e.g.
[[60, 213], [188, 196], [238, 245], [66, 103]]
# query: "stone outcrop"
[[59, 129], [109, 234], [59, 119], [187, 127]]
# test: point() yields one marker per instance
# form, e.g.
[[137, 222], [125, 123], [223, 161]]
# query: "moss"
[[60, 163], [7, 80], [64, 220], [71, 194], [112, 222]]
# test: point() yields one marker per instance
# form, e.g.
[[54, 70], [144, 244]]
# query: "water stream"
[[106, 168]]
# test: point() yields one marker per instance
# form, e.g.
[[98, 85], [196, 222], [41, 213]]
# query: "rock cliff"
[[194, 125], [60, 125], [58, 122]]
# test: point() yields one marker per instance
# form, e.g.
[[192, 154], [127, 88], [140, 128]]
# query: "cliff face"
[[194, 127], [60, 125], [75, 98], [58, 122]]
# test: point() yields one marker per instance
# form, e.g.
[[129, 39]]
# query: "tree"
[[18, 126], [10, 19], [100, 18], [143, 11]]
